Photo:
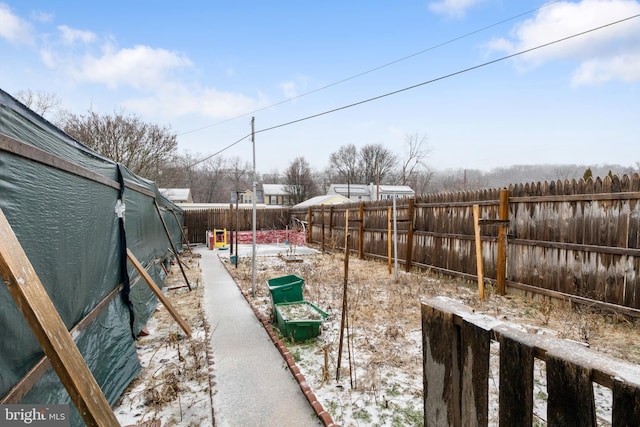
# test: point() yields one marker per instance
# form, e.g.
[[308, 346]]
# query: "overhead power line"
[[446, 76], [371, 70]]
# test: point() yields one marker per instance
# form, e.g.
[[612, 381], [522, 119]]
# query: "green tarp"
[[60, 199]]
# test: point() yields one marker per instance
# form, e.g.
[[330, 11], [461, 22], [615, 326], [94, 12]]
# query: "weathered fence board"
[[516, 382], [570, 390], [455, 370], [441, 373], [475, 375]]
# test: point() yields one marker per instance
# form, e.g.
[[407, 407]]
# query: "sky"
[[486, 83]]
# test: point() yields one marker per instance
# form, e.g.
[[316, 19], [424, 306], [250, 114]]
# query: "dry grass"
[[175, 377], [384, 314]]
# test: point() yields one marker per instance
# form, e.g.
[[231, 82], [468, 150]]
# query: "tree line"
[[151, 151]]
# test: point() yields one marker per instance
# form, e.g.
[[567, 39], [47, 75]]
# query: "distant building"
[[177, 195], [371, 192], [277, 194]]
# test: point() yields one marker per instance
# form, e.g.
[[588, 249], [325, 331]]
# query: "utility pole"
[[253, 225]]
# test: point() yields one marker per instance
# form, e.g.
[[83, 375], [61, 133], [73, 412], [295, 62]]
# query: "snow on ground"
[[380, 381]]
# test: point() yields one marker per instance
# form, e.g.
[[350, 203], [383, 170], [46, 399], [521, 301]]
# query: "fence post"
[[310, 226], [476, 227], [322, 216], [389, 239], [361, 233], [503, 215], [411, 221]]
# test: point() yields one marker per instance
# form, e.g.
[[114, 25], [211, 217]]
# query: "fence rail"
[[456, 369]]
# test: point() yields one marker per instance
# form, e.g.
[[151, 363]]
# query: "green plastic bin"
[[300, 320], [285, 288]]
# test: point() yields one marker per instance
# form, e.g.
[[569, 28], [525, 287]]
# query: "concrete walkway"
[[253, 385]]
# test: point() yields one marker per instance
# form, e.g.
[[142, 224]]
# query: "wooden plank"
[[441, 373], [361, 231], [173, 247], [49, 329], [626, 404], [476, 227], [389, 239], [18, 391], [475, 375], [501, 268], [35, 154], [516, 381], [411, 213], [158, 292], [570, 389]]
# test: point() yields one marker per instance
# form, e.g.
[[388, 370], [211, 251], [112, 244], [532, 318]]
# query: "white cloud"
[[70, 35], [622, 67], [13, 28], [141, 67], [605, 54], [175, 100], [453, 8]]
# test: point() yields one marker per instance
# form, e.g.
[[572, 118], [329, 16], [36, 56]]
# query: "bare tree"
[[39, 101], [299, 181], [376, 163], [345, 162], [143, 148], [416, 151]]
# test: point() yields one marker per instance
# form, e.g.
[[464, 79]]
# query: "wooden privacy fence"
[[457, 369], [574, 240], [199, 221]]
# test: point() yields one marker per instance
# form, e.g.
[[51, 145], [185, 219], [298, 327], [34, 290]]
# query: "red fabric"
[[269, 236]]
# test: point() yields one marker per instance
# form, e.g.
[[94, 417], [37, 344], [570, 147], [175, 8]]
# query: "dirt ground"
[[380, 375]]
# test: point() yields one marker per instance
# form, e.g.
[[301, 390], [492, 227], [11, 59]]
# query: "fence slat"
[[516, 382], [626, 405], [570, 390], [475, 375], [441, 372]]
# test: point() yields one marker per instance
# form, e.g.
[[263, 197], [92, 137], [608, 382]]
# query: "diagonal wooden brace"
[[50, 331]]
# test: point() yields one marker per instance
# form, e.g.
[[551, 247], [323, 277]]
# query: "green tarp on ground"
[[60, 199]]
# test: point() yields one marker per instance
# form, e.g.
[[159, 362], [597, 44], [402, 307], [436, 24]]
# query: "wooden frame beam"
[[50, 331], [158, 292]]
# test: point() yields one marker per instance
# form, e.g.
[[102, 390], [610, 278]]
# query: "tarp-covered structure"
[[61, 200]]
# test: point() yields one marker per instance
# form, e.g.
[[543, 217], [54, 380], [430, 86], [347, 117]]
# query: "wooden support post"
[[166, 230], [331, 224], [476, 227], [411, 220], [503, 215], [185, 239], [361, 232], [322, 216], [310, 226], [50, 331], [344, 292], [158, 292], [389, 239]]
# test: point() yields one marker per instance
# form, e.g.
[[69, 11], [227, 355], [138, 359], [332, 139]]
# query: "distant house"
[[371, 192], [177, 195], [277, 194]]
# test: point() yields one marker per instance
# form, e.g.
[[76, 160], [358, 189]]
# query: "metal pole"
[[253, 257]]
